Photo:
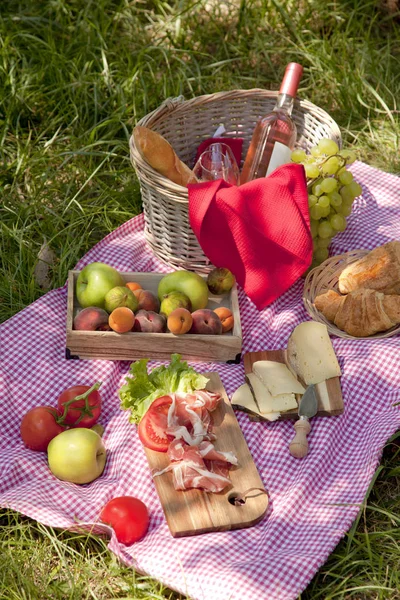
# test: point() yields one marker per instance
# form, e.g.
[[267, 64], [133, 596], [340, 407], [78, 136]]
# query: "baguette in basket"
[[160, 155]]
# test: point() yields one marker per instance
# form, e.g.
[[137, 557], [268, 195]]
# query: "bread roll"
[[360, 313], [378, 270], [160, 155]]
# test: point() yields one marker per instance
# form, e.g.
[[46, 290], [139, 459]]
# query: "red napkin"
[[260, 231], [235, 144]]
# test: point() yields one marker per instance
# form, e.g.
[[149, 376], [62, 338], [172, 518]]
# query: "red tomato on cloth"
[[83, 412], [39, 427], [154, 422], [129, 518]]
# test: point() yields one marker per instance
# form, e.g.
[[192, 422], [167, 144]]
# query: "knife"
[[307, 408]]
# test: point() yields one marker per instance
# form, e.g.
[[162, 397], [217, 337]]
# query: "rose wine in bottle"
[[275, 134]]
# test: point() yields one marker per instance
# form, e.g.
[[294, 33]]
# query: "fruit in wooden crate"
[[133, 286], [187, 282], [148, 321], [220, 281], [147, 300], [91, 318], [226, 316], [120, 296], [93, 283], [174, 300], [179, 321], [206, 322], [77, 455], [121, 319]]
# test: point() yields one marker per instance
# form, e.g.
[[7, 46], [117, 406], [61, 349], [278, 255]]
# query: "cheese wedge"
[[243, 398], [277, 377], [266, 401], [311, 354]]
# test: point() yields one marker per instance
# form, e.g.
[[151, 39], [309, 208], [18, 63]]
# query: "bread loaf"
[[360, 313], [378, 270], [160, 155]]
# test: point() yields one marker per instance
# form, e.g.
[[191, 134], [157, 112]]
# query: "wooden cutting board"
[[191, 512], [329, 392]]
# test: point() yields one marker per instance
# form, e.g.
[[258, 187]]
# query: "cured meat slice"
[[189, 418], [208, 452], [190, 471]]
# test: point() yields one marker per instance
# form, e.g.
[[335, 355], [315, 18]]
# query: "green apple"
[[93, 283], [77, 455], [187, 282]]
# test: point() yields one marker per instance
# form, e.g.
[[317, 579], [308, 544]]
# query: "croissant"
[[360, 313], [378, 270]]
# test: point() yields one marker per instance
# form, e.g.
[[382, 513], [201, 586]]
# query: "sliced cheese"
[[311, 354], [277, 377], [284, 402], [243, 398], [270, 404]]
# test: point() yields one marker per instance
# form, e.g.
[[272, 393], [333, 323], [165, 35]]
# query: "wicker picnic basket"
[[326, 277], [185, 124]]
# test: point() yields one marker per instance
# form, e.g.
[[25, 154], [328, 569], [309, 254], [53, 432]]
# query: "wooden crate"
[[109, 345]]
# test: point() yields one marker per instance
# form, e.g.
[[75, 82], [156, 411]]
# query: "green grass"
[[75, 76]]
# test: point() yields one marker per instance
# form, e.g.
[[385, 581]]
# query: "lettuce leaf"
[[141, 387]]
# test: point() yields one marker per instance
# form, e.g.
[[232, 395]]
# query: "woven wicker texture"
[[185, 124], [325, 277]]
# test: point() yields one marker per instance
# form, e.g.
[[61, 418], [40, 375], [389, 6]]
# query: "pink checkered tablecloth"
[[313, 501]]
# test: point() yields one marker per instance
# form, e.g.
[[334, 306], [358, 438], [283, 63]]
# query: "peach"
[[226, 316], [91, 318], [179, 321], [121, 319], [132, 285], [148, 321], [147, 300], [206, 322]]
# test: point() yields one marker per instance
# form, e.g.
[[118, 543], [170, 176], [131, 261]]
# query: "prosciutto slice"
[[195, 462], [190, 470]]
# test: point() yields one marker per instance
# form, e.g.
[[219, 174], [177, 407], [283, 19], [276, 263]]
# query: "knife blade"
[[308, 408]]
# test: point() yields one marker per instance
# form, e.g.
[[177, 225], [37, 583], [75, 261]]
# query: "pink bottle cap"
[[291, 79]]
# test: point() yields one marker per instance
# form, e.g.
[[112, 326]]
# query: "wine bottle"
[[275, 134]]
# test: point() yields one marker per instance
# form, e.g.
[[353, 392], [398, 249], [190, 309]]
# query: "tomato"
[[129, 518], [154, 422], [39, 426], [80, 405]]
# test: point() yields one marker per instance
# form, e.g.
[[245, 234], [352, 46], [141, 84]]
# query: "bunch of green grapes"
[[331, 192]]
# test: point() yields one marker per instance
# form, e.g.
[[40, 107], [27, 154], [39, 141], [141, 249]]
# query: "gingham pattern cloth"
[[313, 501]]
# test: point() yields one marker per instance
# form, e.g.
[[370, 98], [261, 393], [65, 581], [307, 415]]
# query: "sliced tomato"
[[152, 427]]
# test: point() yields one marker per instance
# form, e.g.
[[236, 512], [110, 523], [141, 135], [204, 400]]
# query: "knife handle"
[[299, 444]]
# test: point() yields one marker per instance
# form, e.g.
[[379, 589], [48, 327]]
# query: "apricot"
[[147, 300], [226, 316], [179, 321], [133, 286], [91, 318], [121, 319]]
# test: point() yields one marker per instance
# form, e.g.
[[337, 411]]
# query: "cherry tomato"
[[39, 427], [129, 518], [153, 424], [80, 412]]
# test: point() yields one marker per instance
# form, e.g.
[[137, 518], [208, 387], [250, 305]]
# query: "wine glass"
[[217, 162]]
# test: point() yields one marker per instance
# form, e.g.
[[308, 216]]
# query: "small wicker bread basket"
[[325, 277], [185, 124]]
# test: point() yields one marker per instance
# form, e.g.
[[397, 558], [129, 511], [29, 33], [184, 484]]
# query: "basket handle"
[[165, 107]]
